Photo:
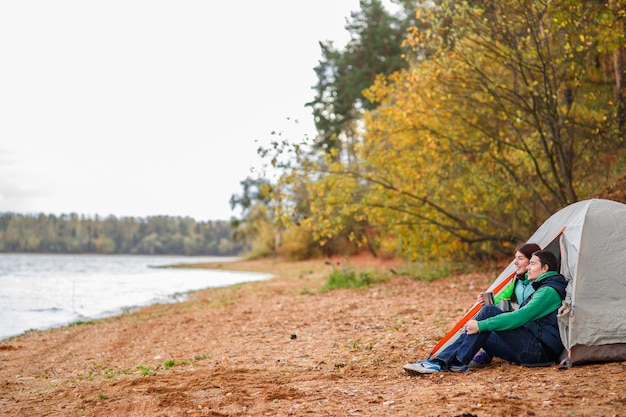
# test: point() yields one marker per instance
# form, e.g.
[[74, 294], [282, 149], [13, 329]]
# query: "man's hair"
[[548, 258]]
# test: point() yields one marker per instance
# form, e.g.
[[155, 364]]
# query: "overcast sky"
[[147, 107]]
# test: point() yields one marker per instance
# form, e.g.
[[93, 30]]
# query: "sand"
[[284, 347]]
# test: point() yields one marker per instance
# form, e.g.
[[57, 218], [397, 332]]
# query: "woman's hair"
[[527, 249], [548, 258]]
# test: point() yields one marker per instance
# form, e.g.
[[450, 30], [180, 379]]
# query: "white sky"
[[148, 107]]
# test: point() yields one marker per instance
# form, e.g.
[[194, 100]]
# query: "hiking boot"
[[480, 360]]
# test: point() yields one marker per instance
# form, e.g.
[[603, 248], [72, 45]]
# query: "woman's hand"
[[471, 327]]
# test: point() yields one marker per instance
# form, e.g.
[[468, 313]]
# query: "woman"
[[527, 336], [517, 291]]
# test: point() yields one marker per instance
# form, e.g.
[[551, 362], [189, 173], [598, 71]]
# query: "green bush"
[[349, 278]]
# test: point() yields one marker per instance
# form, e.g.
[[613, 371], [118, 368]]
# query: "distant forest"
[[157, 235]]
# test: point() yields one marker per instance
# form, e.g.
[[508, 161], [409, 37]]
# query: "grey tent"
[[590, 239], [593, 258]]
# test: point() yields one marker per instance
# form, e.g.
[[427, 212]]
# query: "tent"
[[589, 237]]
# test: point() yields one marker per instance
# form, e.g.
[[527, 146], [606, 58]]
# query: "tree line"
[[156, 235], [448, 129]]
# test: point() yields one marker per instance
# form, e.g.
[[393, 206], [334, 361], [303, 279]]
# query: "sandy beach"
[[284, 347]]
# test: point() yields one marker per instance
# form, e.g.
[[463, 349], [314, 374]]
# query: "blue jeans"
[[518, 345]]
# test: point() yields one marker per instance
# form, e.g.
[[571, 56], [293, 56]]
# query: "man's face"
[[535, 268]]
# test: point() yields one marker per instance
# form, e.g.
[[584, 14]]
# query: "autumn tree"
[[504, 113], [497, 126]]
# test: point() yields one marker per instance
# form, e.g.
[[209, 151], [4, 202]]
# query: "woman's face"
[[520, 262]]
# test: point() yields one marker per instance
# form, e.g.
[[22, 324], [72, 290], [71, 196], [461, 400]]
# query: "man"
[[528, 336]]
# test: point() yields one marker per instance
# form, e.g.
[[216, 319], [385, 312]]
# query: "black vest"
[[546, 329]]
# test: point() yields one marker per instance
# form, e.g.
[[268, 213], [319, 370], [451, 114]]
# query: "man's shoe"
[[459, 368], [480, 360], [422, 367]]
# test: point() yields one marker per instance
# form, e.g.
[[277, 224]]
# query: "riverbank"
[[284, 347]]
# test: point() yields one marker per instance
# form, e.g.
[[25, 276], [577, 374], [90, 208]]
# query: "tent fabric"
[[591, 237], [593, 250]]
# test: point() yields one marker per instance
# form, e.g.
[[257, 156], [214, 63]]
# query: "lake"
[[40, 291]]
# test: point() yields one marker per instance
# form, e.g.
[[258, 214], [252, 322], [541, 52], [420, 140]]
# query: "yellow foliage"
[[467, 150]]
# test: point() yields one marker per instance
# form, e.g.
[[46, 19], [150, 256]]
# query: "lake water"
[[42, 291]]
